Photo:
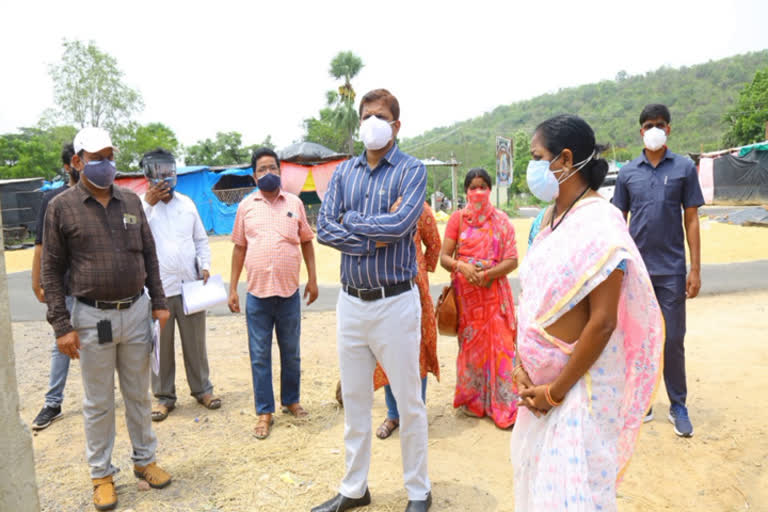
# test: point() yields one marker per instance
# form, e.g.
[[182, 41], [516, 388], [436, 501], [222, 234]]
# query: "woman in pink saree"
[[479, 250], [590, 333]]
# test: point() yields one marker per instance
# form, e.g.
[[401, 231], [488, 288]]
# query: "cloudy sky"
[[262, 67]]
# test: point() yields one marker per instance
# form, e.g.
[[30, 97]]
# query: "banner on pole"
[[503, 162]]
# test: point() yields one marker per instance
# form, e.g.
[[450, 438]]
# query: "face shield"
[[160, 168]]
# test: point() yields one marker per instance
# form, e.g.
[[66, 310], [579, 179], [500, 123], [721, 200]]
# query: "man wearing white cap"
[[98, 233]]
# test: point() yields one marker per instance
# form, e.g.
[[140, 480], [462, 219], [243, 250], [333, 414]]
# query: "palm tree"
[[345, 65]]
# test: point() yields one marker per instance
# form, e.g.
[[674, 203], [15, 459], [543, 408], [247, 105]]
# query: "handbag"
[[447, 310]]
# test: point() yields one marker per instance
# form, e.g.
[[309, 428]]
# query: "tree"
[[134, 140], [747, 119], [266, 143], [323, 131], [33, 152], [343, 115], [521, 155], [226, 149], [89, 89]]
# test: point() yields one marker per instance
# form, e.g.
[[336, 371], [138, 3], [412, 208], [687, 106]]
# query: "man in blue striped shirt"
[[369, 213]]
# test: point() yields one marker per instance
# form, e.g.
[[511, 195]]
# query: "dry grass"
[[219, 466]]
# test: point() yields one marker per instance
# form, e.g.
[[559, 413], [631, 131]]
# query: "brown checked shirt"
[[109, 252]]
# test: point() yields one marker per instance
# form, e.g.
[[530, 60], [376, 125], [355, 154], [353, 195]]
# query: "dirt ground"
[[218, 466], [720, 243]]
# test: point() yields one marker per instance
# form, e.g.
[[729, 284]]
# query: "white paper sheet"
[[198, 297], [155, 359]]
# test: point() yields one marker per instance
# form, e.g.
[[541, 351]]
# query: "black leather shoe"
[[419, 505], [340, 503]]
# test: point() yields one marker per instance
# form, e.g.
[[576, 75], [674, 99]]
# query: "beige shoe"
[[154, 475], [104, 496]]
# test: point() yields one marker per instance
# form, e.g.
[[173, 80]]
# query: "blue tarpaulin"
[[197, 182]]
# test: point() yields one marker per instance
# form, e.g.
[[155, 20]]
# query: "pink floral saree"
[[573, 457]]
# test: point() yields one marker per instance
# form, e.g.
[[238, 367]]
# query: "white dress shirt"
[[180, 241]]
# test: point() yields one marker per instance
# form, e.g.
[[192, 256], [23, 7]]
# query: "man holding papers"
[[184, 256], [271, 234]]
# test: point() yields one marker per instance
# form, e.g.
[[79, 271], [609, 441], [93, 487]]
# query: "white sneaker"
[[648, 416]]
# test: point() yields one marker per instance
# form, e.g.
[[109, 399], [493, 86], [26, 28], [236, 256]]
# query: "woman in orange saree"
[[479, 250]]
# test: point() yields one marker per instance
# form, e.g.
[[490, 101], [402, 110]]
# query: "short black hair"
[[567, 131], [655, 111], [262, 152], [158, 152], [67, 152], [476, 172], [383, 95]]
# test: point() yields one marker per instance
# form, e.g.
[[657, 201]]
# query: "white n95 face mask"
[[375, 132], [654, 139]]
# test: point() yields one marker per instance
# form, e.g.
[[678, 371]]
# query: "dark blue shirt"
[[355, 215], [47, 198], [655, 198]]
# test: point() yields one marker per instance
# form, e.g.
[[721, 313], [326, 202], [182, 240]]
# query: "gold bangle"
[[549, 398]]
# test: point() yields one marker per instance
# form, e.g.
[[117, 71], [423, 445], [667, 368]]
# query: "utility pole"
[[454, 196], [18, 487]]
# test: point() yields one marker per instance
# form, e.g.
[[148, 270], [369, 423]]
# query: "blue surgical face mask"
[[269, 182], [542, 181], [100, 173]]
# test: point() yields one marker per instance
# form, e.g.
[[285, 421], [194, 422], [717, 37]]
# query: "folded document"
[[197, 296]]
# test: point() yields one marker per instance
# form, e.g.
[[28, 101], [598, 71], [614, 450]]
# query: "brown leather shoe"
[[104, 496], [154, 475]]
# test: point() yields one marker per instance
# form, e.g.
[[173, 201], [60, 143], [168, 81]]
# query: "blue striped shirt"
[[355, 215]]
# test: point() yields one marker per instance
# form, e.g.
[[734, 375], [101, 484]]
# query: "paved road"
[[717, 279], [710, 211]]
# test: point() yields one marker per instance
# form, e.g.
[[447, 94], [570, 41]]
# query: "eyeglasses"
[[267, 168], [660, 125]]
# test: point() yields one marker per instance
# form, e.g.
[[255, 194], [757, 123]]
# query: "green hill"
[[698, 97]]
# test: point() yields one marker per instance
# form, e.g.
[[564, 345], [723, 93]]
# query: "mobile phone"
[[104, 330]]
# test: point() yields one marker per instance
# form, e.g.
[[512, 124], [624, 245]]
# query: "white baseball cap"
[[92, 140]]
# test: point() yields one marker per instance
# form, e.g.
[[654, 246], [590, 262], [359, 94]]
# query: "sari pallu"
[[486, 320], [427, 235], [573, 457]]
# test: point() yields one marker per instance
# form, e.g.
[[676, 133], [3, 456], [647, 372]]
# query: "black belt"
[[369, 294], [111, 304]]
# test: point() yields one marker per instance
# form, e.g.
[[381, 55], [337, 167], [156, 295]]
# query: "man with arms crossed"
[[378, 312]]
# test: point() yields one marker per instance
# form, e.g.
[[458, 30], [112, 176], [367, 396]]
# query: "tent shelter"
[[20, 201], [735, 176], [305, 170]]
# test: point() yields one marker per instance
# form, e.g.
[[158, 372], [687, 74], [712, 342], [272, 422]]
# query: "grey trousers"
[[128, 353], [192, 331]]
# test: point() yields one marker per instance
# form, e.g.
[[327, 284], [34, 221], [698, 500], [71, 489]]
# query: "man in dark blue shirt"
[[661, 191], [51, 410], [369, 213]]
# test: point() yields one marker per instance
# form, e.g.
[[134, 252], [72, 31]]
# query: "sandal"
[[296, 410], [161, 412], [263, 426], [387, 427], [209, 401], [339, 398], [466, 412]]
